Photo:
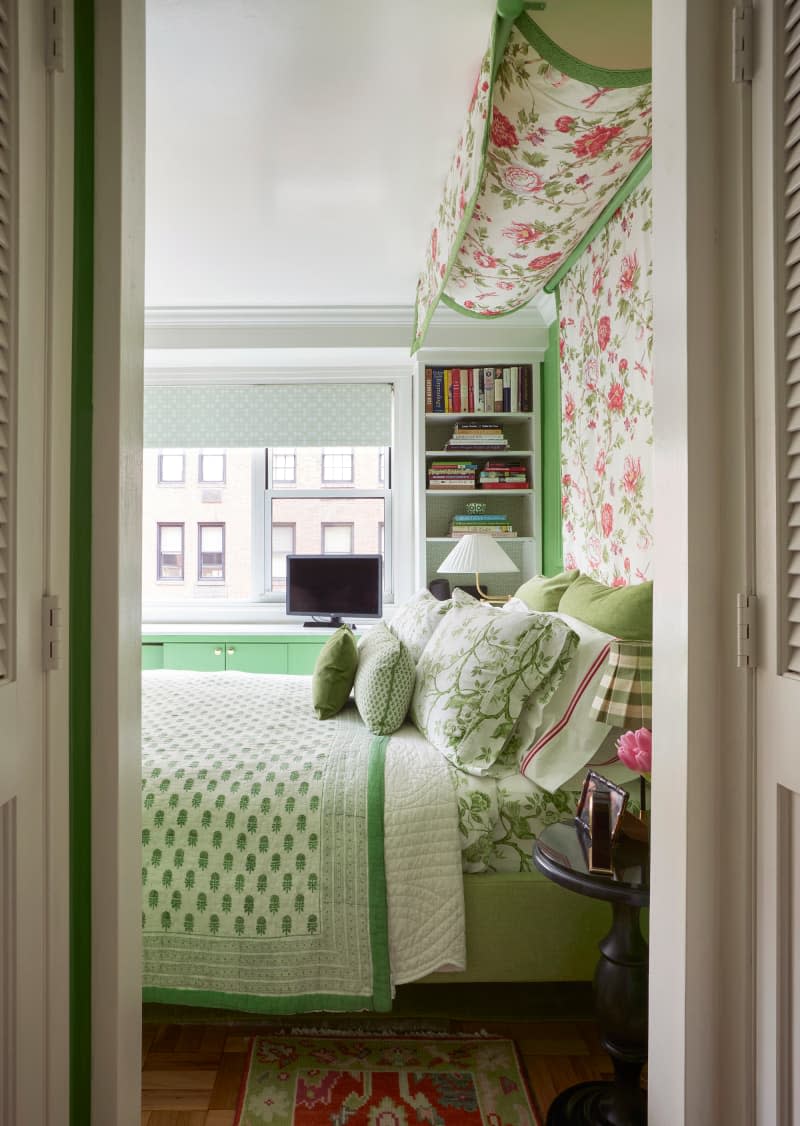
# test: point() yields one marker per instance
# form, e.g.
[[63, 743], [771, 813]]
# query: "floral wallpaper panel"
[[606, 342]]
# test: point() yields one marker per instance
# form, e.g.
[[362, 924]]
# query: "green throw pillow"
[[544, 593], [622, 611], [334, 673], [384, 680]]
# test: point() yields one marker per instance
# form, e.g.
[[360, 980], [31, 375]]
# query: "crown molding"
[[326, 326], [195, 375]]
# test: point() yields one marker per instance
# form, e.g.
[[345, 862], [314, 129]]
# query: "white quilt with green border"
[[263, 881]]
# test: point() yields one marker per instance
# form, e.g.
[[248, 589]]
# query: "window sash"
[[211, 552], [328, 532], [166, 459], [204, 477], [170, 559]]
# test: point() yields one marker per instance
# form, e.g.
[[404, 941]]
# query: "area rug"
[[341, 1080]]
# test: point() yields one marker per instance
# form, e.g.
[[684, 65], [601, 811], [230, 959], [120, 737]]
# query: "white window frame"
[[401, 549], [218, 580], [159, 463], [201, 480], [337, 482]]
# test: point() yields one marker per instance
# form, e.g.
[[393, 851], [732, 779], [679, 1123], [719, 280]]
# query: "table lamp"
[[624, 698], [476, 553]]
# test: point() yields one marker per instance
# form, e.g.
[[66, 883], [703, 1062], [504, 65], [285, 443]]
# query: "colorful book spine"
[[428, 390], [455, 376], [437, 390], [471, 390]]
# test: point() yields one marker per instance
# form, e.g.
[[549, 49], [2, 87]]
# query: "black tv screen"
[[328, 586]]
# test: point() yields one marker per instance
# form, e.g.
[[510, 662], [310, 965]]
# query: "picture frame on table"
[[595, 783]]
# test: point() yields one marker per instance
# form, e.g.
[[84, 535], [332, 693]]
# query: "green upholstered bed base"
[[522, 927]]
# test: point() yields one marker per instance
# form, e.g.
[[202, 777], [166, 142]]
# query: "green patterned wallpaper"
[[302, 414]]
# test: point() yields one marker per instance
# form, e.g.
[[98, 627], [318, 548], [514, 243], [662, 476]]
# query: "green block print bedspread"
[[263, 881]]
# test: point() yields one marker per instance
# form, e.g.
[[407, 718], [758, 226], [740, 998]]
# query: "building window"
[[337, 467], [283, 541], [284, 467], [171, 469], [337, 539], [170, 553], [211, 467], [211, 553]]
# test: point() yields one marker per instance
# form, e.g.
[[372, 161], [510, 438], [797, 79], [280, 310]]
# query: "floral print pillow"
[[475, 674], [416, 621]]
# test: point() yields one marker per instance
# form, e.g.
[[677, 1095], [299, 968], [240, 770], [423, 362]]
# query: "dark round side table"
[[620, 980]]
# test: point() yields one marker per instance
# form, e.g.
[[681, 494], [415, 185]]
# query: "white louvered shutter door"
[[791, 233], [7, 460]]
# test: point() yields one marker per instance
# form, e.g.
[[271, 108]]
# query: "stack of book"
[[503, 475], [485, 436], [452, 474], [489, 390], [487, 524]]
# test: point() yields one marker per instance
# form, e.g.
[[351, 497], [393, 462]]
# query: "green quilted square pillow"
[[334, 672], [623, 611], [544, 593], [384, 680], [476, 673]]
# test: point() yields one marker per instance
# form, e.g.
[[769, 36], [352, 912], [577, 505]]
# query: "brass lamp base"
[[495, 600]]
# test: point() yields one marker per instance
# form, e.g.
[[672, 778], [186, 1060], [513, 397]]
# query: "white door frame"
[[116, 560], [698, 697]]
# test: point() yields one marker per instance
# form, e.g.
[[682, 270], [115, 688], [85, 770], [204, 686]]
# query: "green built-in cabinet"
[[277, 653]]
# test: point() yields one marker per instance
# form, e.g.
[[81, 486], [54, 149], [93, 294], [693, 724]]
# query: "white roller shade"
[[239, 416], [6, 383]]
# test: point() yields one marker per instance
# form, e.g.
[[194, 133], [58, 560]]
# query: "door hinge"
[[746, 611], [54, 35], [742, 44], [51, 632]]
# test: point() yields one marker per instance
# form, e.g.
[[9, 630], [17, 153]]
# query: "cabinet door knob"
[[231, 651], [217, 652]]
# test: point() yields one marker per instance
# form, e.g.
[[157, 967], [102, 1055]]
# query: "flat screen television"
[[326, 587]]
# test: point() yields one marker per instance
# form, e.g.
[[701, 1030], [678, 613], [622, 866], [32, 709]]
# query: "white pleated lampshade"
[[477, 554]]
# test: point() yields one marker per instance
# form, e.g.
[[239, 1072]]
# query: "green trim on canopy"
[[630, 185], [575, 68]]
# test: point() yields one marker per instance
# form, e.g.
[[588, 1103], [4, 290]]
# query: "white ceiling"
[[296, 151]]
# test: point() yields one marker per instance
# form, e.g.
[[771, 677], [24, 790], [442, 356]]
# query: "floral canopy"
[[549, 149]]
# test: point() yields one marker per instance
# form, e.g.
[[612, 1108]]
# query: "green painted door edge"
[[550, 413], [80, 557]]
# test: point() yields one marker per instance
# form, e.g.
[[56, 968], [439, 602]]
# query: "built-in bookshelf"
[[478, 461]]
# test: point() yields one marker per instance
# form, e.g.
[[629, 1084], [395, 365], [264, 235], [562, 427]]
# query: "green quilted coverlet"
[[263, 884]]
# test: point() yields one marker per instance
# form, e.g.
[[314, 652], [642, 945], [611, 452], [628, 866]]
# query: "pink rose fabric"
[[635, 750]]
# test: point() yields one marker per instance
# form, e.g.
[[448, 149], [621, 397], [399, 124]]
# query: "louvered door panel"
[[7, 460], [791, 367]]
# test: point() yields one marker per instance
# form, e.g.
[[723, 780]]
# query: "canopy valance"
[[549, 147]]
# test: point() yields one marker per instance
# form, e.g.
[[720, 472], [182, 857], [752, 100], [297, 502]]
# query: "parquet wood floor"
[[192, 1069]]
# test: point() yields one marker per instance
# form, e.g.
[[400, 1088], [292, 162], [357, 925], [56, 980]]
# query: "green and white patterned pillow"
[[384, 680], [416, 621], [477, 672]]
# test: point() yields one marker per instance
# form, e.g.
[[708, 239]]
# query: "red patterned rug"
[[344, 1080]]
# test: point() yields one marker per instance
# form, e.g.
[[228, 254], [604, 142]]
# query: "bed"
[[291, 865]]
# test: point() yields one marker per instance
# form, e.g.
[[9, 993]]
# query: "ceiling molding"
[[328, 326], [246, 376]]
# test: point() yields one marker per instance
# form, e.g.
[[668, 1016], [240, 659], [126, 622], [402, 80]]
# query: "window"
[[211, 467], [211, 552], [283, 541], [284, 467], [170, 553], [337, 539], [171, 469], [337, 467]]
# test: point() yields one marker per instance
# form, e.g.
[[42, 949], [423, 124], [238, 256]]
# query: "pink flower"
[[522, 181], [462, 203], [600, 465], [469, 304], [434, 242], [635, 750], [607, 519], [522, 234], [569, 562], [623, 366], [603, 332], [484, 259], [536, 136], [543, 261], [616, 397], [593, 142], [504, 135], [569, 407], [564, 123], [566, 479], [583, 180], [597, 281], [619, 581], [632, 474], [630, 268]]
